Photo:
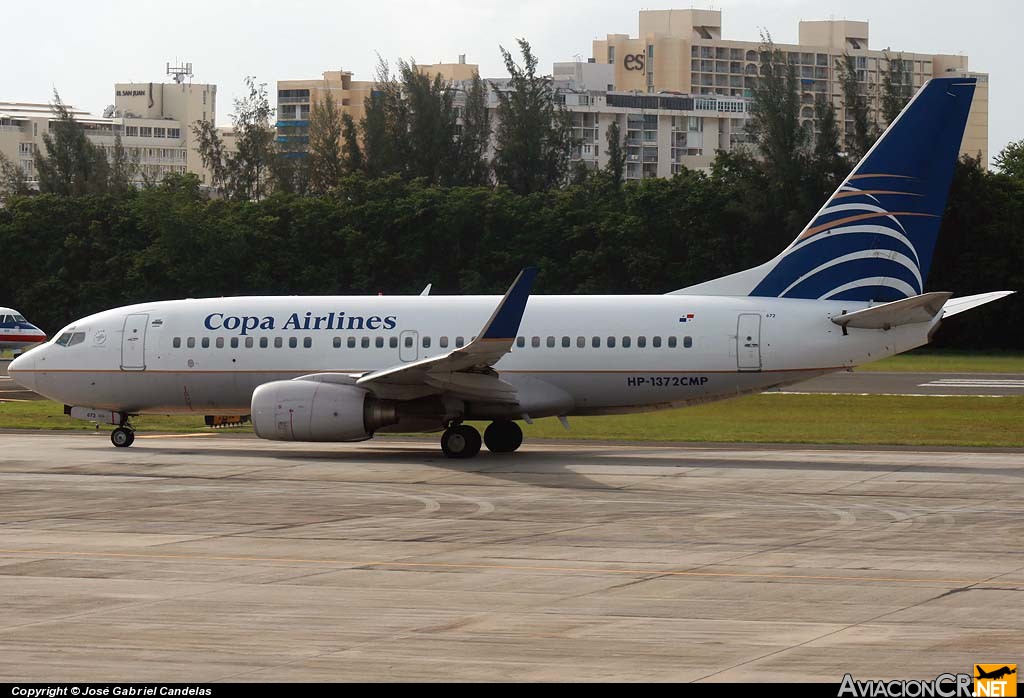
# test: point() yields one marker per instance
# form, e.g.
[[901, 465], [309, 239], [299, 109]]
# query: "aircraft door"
[[133, 343], [748, 342], [408, 345]]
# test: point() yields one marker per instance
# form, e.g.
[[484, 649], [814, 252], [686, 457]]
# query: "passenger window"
[[278, 342], [687, 342], [191, 342], [611, 342], [220, 342], [581, 342], [307, 342], [205, 343], [248, 342], [234, 342], [626, 342], [551, 342], [444, 342], [393, 342], [520, 342], [426, 342], [595, 342], [351, 342], [293, 342], [364, 342], [379, 342], [641, 342], [535, 342], [672, 342], [460, 341], [337, 342], [176, 343], [408, 342], [566, 342], [656, 341], [264, 342]]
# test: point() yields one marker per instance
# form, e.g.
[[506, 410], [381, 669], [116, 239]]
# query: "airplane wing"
[[465, 372]]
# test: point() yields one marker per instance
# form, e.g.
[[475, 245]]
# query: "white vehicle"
[[17, 333], [848, 290]]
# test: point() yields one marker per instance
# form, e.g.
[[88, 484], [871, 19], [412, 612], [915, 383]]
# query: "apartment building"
[[684, 51], [154, 122]]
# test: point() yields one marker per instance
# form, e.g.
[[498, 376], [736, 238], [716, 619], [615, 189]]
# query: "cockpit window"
[[5, 319], [20, 318], [69, 338]]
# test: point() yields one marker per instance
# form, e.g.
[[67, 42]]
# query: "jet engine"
[[304, 410]]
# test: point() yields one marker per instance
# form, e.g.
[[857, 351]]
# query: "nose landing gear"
[[123, 437]]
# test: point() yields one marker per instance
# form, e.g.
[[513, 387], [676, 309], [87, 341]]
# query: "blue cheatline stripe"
[[506, 322], [830, 279], [819, 251]]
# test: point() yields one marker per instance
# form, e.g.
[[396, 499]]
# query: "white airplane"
[[848, 290], [17, 333]]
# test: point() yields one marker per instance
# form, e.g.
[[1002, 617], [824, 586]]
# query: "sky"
[[93, 45]]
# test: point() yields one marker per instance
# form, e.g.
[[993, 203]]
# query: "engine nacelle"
[[303, 410]]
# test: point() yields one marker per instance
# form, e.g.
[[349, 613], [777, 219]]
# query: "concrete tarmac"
[[223, 558], [910, 383]]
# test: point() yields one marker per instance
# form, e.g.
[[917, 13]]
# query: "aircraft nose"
[[20, 371]]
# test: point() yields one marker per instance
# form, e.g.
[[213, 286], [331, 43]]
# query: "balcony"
[[287, 123]]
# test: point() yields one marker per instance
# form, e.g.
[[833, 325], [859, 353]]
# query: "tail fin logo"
[[873, 239]]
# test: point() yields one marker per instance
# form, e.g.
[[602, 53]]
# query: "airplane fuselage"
[[573, 354]]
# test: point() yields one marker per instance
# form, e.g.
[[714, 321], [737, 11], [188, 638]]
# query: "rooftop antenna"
[[178, 73]]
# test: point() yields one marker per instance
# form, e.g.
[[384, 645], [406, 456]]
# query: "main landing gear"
[[123, 437], [463, 441]]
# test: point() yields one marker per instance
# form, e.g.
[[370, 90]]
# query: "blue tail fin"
[[873, 239]]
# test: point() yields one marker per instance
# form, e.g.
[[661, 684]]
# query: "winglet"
[[504, 322]]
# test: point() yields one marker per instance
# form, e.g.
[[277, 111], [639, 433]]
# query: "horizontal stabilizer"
[[908, 311], [959, 305]]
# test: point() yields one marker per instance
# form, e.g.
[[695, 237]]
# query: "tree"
[[124, 168], [474, 136], [13, 181], [385, 125], [775, 114], [69, 163], [250, 166], [616, 155], [1010, 160], [855, 103], [214, 155], [351, 152], [896, 87], [827, 165], [533, 141], [326, 160]]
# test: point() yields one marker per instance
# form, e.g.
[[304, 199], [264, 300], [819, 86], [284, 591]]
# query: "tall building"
[[154, 121], [660, 133], [296, 98], [683, 51], [136, 105]]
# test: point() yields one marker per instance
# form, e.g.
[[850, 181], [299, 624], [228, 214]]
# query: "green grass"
[[931, 361], [44, 414], [825, 419]]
